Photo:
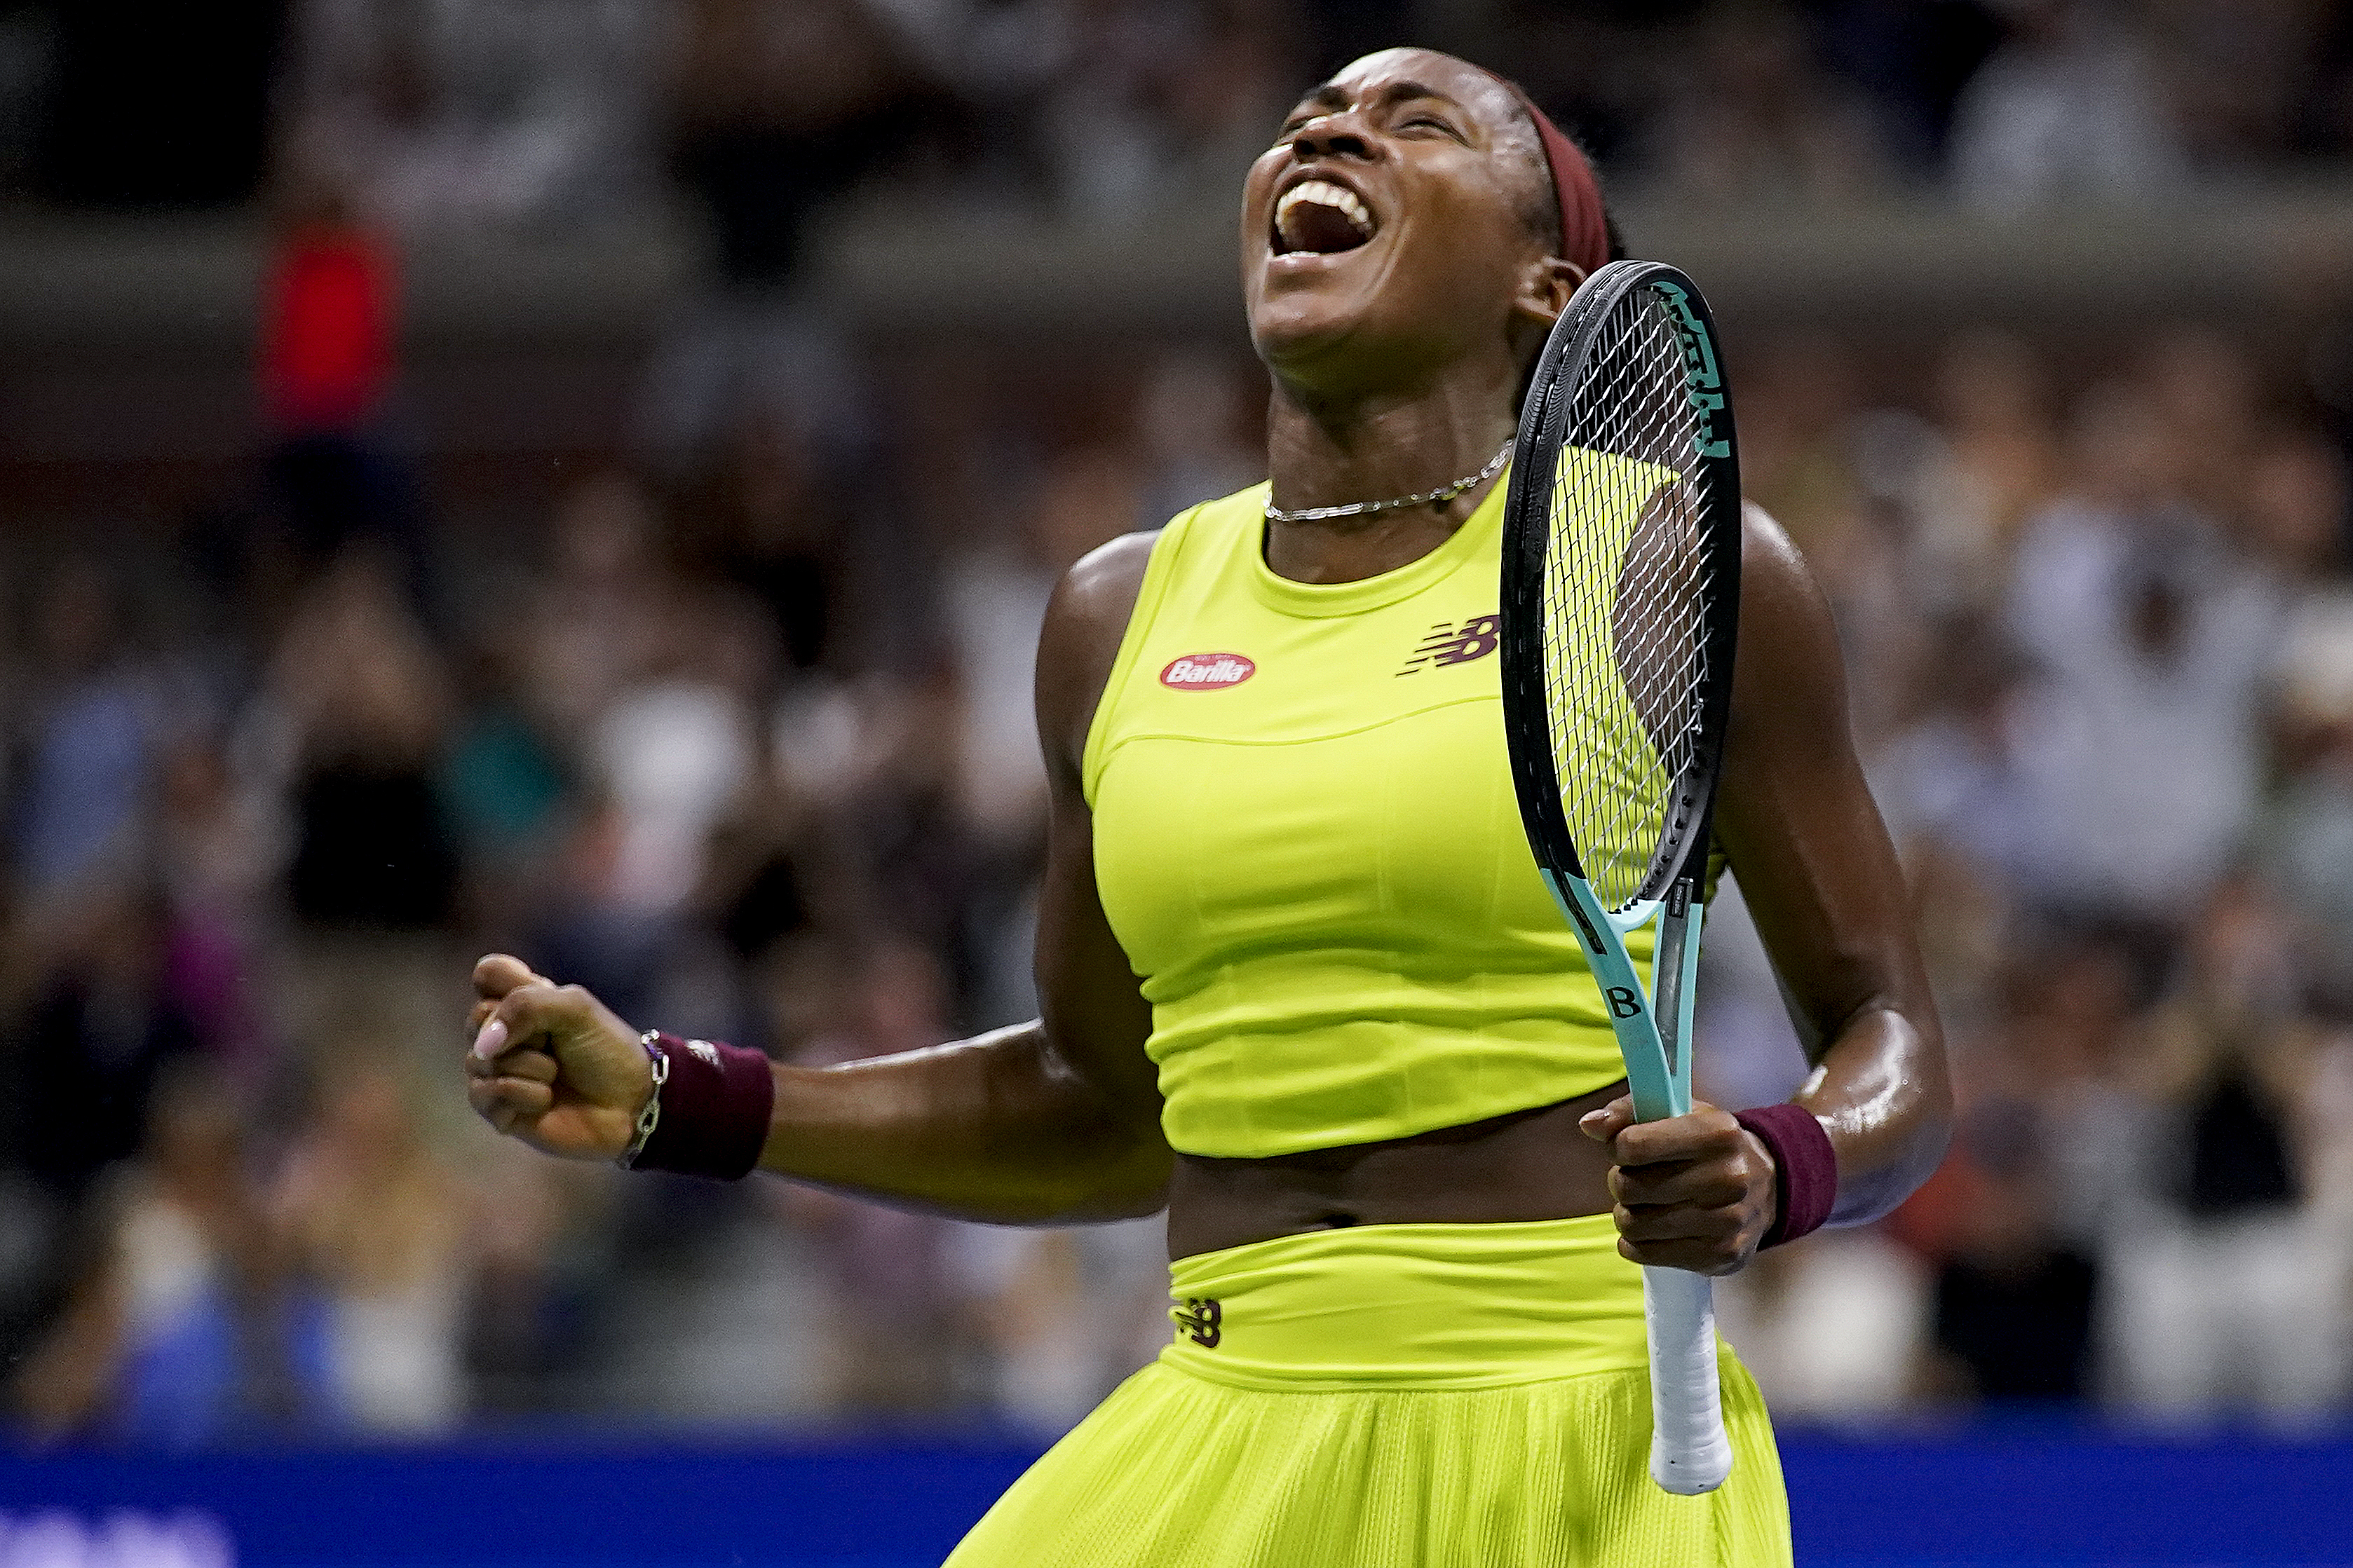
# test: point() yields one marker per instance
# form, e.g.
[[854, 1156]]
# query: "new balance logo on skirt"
[[1207, 671], [1198, 1319]]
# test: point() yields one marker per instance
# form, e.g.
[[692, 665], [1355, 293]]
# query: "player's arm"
[[1821, 880], [1699, 1191], [1053, 1119]]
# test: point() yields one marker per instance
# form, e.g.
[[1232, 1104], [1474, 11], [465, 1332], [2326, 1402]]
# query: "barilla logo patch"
[[1207, 671]]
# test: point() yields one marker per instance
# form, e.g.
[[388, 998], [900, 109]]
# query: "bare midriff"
[[1527, 1165]]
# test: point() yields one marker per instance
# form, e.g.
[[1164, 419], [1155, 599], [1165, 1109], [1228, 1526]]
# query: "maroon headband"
[[1584, 231]]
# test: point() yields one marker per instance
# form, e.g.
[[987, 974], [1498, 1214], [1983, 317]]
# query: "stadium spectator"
[[1755, 118], [2150, 635], [88, 725], [505, 781], [383, 1226], [327, 361], [212, 867], [2296, 496], [888, 1306], [2069, 107], [89, 1046], [591, 612], [2014, 1302], [477, 112], [2000, 463], [364, 703], [1952, 779], [346, 738], [1084, 498], [2227, 1289], [186, 1326], [677, 749], [1062, 1316], [760, 143]]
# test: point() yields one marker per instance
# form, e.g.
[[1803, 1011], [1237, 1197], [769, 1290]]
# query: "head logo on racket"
[[1704, 379]]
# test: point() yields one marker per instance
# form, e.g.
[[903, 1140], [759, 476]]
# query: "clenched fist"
[[1696, 1192], [551, 1066]]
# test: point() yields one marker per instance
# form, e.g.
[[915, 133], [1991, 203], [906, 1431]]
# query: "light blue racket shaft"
[[1690, 1451]]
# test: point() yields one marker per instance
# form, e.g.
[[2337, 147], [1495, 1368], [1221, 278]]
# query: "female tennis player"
[[1302, 982]]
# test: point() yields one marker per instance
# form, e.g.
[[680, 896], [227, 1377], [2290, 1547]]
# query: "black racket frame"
[[1534, 471]]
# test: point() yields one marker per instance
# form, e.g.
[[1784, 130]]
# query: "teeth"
[[1325, 194]]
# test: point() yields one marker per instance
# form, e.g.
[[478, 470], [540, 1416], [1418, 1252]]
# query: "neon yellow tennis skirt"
[[1391, 1395]]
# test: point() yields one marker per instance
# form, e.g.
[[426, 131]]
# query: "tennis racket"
[[1621, 596]]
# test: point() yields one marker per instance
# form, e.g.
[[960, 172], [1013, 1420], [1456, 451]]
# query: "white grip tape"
[[1689, 1453]]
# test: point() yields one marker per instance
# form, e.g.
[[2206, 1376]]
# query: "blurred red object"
[[330, 309], [1934, 1222]]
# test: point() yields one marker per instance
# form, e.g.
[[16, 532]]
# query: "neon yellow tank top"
[[1306, 839]]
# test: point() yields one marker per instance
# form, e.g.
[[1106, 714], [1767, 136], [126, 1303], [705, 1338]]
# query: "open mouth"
[[1316, 217]]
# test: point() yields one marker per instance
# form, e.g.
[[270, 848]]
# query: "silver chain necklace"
[[1366, 508]]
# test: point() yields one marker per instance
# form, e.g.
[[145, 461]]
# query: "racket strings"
[[1624, 583]]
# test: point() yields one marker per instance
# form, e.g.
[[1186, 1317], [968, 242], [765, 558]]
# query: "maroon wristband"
[[714, 1114], [1806, 1167]]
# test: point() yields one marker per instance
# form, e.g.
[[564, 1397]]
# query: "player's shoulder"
[[1765, 544], [1774, 575], [1098, 594], [1105, 582], [1101, 587], [1788, 636], [1085, 622]]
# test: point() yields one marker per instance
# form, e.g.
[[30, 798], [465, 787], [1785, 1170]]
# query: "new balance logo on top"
[[1450, 644], [1197, 1317], [1207, 671]]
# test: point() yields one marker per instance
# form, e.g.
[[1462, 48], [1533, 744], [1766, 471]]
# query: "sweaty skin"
[[1396, 367]]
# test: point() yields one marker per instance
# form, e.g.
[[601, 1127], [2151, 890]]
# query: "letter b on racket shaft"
[[1619, 612]]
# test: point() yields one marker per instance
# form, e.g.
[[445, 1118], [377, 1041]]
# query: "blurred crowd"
[[454, 114], [738, 733], [2100, 637]]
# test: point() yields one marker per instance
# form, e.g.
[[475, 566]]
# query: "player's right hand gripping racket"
[[1620, 597]]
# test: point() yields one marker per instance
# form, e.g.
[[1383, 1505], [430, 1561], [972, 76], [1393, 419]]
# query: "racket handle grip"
[[1690, 1452]]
